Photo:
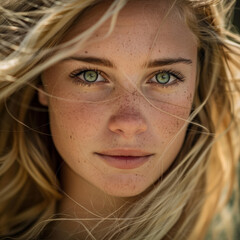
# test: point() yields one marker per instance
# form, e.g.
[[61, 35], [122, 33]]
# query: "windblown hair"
[[197, 187]]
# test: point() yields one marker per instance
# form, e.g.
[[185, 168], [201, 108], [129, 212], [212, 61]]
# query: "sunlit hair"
[[196, 188]]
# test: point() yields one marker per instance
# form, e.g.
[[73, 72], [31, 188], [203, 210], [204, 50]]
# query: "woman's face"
[[119, 105]]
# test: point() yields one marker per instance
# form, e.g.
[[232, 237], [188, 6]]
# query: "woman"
[[118, 119]]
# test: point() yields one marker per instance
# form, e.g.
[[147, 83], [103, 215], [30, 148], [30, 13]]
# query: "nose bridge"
[[128, 118], [129, 103]]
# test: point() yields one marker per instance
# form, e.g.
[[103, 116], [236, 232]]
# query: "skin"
[[127, 120]]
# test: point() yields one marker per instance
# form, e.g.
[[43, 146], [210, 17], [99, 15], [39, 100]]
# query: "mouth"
[[124, 159]]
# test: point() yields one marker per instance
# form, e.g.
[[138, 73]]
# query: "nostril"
[[142, 129], [119, 131]]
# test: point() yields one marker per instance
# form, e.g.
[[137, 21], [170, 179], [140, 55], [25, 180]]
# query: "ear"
[[42, 96]]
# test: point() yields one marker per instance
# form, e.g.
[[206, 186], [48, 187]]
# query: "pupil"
[[90, 76]]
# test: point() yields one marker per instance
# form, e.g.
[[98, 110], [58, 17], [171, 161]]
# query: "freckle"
[[189, 96], [86, 51], [96, 35], [70, 136]]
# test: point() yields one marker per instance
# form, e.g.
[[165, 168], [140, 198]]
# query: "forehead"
[[140, 25]]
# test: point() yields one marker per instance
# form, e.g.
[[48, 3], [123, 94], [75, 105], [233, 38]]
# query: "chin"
[[127, 186]]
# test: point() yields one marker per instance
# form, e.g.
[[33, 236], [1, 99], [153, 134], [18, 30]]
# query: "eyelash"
[[75, 76], [179, 77]]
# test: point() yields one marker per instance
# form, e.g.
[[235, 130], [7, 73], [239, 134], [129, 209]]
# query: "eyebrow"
[[155, 63], [93, 60], [168, 61]]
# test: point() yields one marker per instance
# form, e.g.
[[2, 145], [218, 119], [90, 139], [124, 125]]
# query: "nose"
[[127, 125]]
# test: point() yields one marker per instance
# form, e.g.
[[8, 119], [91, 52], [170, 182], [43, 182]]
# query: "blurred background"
[[236, 19]]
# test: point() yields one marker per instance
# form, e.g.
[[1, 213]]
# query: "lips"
[[124, 158]]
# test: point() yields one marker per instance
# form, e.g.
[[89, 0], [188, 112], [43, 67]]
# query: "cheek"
[[172, 114], [73, 123], [170, 125]]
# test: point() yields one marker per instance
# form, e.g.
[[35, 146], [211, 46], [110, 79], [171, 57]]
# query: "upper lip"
[[125, 152]]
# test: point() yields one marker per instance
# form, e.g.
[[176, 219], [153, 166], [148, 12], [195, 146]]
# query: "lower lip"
[[124, 162]]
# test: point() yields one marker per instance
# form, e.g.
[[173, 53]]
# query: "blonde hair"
[[194, 190]]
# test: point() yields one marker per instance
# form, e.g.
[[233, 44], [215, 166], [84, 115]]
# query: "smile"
[[125, 159]]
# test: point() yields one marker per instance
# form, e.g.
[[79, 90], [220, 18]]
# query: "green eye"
[[90, 76], [163, 77]]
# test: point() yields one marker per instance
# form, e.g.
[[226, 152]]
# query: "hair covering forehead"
[[201, 2], [202, 5]]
